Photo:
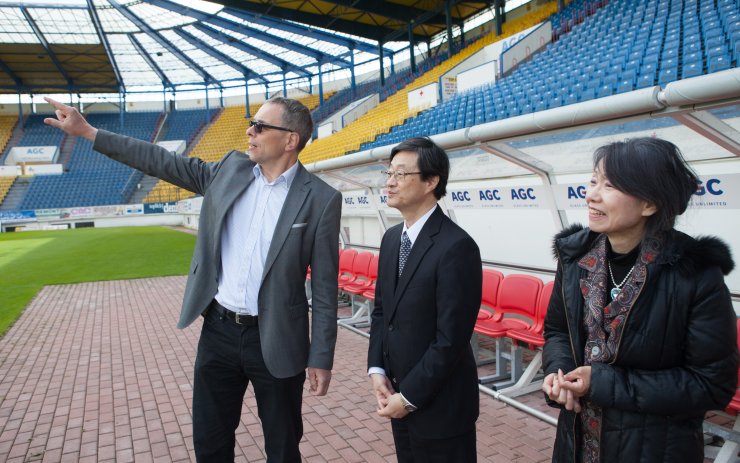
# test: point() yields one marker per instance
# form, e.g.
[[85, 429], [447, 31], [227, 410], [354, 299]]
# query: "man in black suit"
[[427, 299], [263, 221]]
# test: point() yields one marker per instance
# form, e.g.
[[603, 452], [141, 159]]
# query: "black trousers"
[[229, 357], [413, 449]]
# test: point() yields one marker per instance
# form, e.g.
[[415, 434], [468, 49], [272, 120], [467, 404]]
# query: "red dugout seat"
[[360, 265], [518, 294], [346, 260], [491, 281], [533, 335], [365, 275]]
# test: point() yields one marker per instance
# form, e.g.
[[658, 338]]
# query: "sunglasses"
[[260, 126]]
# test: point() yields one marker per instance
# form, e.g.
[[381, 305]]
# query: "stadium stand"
[[5, 184], [184, 124], [227, 132], [89, 178], [393, 83], [394, 110], [624, 46], [7, 124], [601, 49], [36, 133]]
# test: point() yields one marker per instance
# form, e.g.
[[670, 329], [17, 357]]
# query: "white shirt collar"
[[415, 229], [288, 175]]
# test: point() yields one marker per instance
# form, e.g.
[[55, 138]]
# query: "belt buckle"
[[236, 318]]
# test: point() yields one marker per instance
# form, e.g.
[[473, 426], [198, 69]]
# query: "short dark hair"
[[431, 160], [653, 170], [296, 117]]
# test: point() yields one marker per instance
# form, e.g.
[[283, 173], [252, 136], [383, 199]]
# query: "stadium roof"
[[113, 46]]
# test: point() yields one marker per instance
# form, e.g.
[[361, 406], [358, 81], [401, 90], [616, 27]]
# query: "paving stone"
[[109, 378]]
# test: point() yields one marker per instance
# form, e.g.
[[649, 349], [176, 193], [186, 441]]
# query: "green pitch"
[[31, 260]]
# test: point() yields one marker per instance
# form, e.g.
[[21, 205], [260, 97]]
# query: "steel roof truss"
[[248, 73], [207, 78], [152, 64], [305, 30], [254, 51], [318, 55], [104, 40], [4, 68], [46, 46]]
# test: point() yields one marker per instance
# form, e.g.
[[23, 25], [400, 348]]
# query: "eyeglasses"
[[399, 176], [260, 126]]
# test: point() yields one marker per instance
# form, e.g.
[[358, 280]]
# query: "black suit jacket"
[[422, 324]]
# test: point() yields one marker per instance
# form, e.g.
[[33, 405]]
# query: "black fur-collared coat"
[[677, 357]]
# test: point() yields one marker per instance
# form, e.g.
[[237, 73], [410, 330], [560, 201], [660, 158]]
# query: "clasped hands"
[[567, 389], [389, 401]]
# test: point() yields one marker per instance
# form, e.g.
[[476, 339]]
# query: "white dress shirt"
[[246, 238]]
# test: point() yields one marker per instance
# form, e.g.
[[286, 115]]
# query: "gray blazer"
[[307, 233]]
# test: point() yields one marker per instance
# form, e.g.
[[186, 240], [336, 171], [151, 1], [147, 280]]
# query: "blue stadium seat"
[[626, 85], [692, 70], [718, 63], [667, 75], [645, 80]]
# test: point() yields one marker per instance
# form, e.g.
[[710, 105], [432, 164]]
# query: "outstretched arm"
[[70, 121]]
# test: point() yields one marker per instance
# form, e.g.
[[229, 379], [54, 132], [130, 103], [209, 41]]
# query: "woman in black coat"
[[640, 331]]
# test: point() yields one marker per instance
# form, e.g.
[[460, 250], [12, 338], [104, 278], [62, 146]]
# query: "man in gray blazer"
[[263, 221]]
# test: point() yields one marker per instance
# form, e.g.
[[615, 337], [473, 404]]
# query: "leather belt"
[[239, 319]]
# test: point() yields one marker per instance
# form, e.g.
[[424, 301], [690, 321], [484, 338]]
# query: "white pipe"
[[702, 89], [719, 86]]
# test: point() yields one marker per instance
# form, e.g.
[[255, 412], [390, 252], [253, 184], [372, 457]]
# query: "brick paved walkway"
[[97, 372]]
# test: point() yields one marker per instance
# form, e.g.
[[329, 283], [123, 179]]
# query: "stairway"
[[147, 183], [15, 195], [65, 150]]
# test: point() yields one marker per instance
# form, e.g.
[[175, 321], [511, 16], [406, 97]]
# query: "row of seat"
[[512, 306]]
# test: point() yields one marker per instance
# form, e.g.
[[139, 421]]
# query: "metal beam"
[[301, 29], [224, 23], [254, 51], [229, 61], [713, 128], [58, 89], [144, 27], [4, 67], [104, 40], [258, 15], [152, 64], [319, 56], [540, 168], [45, 44]]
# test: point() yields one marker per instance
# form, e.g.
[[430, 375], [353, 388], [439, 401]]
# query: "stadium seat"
[[718, 63], [515, 307], [360, 265], [346, 259], [363, 286]]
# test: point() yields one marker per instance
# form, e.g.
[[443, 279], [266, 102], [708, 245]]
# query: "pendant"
[[615, 292]]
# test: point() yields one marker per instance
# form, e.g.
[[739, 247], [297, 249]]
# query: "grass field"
[[31, 260]]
